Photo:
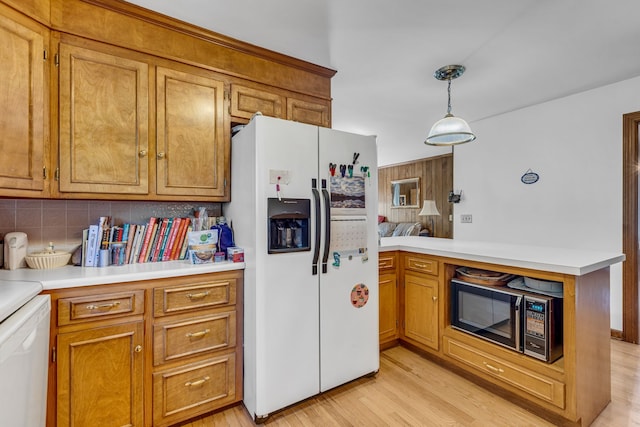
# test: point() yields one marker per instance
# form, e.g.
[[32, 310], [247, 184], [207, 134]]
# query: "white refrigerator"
[[311, 255]]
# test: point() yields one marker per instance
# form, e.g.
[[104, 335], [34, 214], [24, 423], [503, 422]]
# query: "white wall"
[[575, 145]]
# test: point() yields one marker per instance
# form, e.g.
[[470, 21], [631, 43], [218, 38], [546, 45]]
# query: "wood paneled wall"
[[436, 181]]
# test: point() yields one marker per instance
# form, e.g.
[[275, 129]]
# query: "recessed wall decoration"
[[529, 177]]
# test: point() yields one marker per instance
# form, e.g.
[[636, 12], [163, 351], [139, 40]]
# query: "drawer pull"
[[419, 265], [198, 295], [198, 334], [196, 383], [493, 368], [108, 306], [138, 348]]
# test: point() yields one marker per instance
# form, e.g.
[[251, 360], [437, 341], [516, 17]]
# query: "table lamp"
[[430, 209]]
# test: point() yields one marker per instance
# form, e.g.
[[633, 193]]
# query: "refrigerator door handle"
[[316, 207], [327, 219]]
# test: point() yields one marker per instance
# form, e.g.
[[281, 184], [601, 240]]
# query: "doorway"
[[630, 219]]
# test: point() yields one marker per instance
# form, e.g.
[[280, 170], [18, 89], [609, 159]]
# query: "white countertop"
[[557, 260], [71, 276]]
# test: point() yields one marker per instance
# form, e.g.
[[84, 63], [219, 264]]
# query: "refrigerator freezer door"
[[349, 289], [285, 327]]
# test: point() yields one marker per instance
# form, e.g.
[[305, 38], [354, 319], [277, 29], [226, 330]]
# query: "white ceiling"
[[517, 53]]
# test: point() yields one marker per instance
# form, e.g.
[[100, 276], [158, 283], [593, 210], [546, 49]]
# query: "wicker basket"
[[47, 260]]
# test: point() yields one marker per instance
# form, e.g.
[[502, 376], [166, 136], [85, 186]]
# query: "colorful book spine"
[[129, 235], [162, 230], [93, 243], [153, 241], [165, 239], [185, 244], [175, 226], [140, 233], [147, 238], [177, 246]]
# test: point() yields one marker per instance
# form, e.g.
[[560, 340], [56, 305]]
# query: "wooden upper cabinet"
[[103, 108], [40, 10], [312, 112], [192, 145], [246, 101], [23, 105]]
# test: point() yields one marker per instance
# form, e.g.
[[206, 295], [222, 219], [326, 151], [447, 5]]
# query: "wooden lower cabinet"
[[388, 306], [420, 322], [388, 324], [146, 353], [181, 392], [100, 376], [573, 389], [518, 376]]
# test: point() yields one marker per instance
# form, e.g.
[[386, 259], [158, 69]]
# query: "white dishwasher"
[[24, 344]]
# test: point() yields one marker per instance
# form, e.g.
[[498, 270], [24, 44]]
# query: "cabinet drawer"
[[82, 309], [535, 384], [193, 336], [421, 264], [191, 390], [386, 262], [209, 294]]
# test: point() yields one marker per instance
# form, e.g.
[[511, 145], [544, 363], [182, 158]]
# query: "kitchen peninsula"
[[415, 277]]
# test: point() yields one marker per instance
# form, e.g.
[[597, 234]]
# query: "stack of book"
[[161, 239]]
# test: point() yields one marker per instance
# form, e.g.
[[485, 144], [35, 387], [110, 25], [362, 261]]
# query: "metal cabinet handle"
[[196, 383], [138, 348], [103, 306], [419, 265], [160, 155], [198, 334], [493, 368], [198, 295], [434, 298], [142, 153]]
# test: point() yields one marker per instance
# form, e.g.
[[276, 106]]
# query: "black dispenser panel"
[[289, 225]]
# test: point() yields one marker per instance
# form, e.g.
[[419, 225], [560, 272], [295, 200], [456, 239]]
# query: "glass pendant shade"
[[450, 130]]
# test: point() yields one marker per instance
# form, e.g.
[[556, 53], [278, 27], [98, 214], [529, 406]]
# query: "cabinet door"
[[22, 104], [192, 135], [100, 378], [103, 122], [313, 113], [421, 309], [388, 306], [246, 101]]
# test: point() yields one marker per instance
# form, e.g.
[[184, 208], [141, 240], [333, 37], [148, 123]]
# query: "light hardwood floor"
[[412, 391]]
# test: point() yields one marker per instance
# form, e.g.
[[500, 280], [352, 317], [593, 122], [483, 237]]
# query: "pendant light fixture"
[[450, 130]]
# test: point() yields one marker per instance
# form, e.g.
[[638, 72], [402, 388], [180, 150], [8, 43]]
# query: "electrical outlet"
[[466, 218]]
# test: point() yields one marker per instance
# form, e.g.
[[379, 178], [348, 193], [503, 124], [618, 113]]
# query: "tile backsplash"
[[62, 221]]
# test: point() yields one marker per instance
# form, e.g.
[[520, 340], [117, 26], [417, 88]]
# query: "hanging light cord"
[[449, 97]]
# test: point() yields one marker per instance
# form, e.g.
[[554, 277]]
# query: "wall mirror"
[[405, 193]]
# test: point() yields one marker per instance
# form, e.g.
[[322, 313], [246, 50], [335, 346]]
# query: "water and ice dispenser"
[[289, 225]]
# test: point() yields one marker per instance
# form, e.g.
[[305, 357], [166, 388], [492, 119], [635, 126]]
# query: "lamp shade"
[[429, 208], [450, 130]]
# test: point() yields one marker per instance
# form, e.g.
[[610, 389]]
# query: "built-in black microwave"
[[522, 321]]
